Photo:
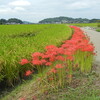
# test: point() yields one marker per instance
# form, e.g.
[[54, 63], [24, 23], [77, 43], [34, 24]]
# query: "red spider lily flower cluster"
[[28, 72], [78, 42], [58, 66], [24, 61]]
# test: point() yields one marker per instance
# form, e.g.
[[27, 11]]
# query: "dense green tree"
[[94, 20], [14, 20], [3, 21], [11, 21], [65, 20]]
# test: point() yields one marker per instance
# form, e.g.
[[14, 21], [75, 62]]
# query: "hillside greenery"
[[68, 20], [11, 21]]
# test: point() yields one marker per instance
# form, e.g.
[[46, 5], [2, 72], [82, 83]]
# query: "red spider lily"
[[36, 62], [28, 72], [50, 47], [59, 66], [24, 61], [61, 50], [53, 70], [43, 61], [68, 53], [37, 54], [89, 48], [70, 58], [46, 56], [60, 58], [65, 45], [48, 63], [52, 59]]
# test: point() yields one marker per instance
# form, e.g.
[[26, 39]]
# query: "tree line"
[[69, 20], [51, 20], [11, 21]]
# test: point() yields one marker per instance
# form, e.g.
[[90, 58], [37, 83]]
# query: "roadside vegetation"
[[98, 29]]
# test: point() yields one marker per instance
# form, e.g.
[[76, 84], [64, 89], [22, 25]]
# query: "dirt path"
[[95, 38]]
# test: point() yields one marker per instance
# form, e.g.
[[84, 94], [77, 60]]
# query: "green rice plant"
[[14, 45]]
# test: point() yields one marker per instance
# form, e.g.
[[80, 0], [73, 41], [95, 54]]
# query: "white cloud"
[[14, 7], [19, 9], [6, 10], [20, 3], [79, 5]]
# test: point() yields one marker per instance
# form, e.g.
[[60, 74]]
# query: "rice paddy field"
[[20, 41]]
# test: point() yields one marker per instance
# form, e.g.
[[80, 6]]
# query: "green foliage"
[[98, 25], [94, 20], [85, 24], [14, 20], [14, 45], [98, 30], [11, 21], [3, 21], [64, 20]]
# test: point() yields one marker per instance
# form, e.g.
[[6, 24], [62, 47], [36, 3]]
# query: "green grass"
[[20, 41], [85, 24], [98, 30], [83, 87], [74, 94]]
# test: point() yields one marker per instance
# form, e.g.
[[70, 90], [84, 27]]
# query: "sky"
[[36, 10]]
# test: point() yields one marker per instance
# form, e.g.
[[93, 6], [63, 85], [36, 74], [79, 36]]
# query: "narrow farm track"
[[95, 38]]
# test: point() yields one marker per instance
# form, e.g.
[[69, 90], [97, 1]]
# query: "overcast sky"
[[36, 10]]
